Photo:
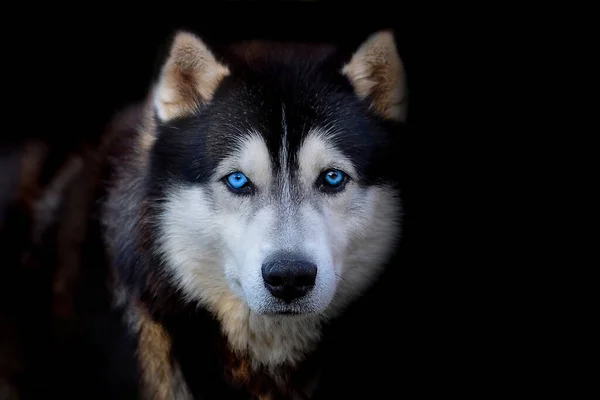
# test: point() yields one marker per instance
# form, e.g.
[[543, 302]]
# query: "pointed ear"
[[376, 72], [188, 78]]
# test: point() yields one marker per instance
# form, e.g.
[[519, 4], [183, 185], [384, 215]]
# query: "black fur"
[[312, 93]]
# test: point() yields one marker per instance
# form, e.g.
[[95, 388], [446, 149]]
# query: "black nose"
[[288, 278]]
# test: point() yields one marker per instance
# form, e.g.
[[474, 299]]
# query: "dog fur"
[[281, 113]]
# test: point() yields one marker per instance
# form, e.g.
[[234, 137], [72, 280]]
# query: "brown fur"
[[70, 232], [33, 191], [47, 235], [21, 169], [189, 76], [188, 79], [34, 155], [252, 50], [377, 73], [284, 383], [160, 378]]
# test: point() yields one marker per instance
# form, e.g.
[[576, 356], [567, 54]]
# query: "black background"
[[74, 68]]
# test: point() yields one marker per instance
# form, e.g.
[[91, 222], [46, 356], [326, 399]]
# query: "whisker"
[[341, 278]]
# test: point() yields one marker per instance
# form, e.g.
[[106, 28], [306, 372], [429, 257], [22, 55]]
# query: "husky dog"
[[255, 201]]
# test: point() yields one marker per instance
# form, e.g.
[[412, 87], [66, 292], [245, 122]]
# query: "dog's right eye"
[[238, 183]]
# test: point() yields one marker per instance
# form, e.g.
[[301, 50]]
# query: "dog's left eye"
[[238, 183], [332, 181]]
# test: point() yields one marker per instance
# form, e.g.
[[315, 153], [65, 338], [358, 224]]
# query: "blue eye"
[[237, 181], [332, 180]]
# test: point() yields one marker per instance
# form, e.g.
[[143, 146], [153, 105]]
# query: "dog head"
[[274, 173]]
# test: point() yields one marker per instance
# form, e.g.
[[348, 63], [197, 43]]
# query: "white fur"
[[215, 242]]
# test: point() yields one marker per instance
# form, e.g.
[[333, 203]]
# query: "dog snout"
[[289, 278]]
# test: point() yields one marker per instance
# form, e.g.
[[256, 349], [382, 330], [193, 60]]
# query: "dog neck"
[[269, 342], [262, 355]]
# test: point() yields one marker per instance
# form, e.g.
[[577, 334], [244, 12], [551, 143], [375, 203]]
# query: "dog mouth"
[[285, 312], [288, 312]]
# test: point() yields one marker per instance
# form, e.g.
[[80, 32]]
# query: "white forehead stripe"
[[318, 153], [252, 158]]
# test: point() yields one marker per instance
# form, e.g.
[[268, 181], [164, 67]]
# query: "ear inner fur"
[[377, 74], [188, 78]]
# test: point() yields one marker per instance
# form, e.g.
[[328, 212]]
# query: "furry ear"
[[377, 74], [188, 78]]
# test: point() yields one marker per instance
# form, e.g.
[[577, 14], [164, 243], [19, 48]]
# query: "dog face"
[[274, 175]]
